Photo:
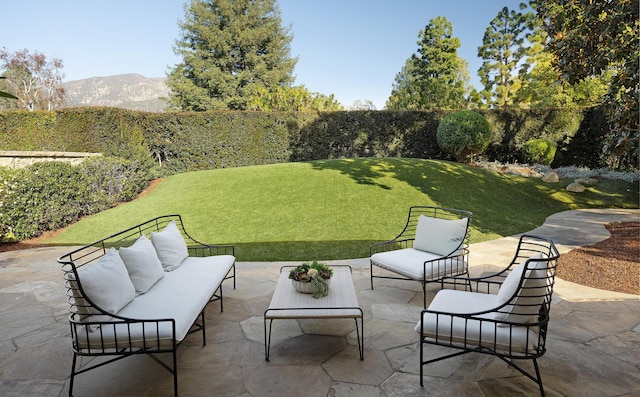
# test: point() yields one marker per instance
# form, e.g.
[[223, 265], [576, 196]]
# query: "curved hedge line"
[[178, 142]]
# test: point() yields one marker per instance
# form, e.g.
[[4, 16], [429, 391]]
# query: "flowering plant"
[[315, 273]]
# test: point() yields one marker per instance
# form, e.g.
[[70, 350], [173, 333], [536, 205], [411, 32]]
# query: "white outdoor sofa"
[[142, 291]]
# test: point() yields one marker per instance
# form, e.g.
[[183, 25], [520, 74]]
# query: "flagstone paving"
[[593, 343]]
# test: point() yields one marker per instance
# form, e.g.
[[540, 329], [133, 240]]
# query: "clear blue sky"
[[350, 48]]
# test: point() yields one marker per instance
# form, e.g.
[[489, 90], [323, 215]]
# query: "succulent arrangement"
[[317, 274]]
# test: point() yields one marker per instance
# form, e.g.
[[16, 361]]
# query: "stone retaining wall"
[[21, 159]]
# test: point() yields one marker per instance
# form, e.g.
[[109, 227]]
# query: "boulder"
[[586, 181], [575, 187], [550, 177]]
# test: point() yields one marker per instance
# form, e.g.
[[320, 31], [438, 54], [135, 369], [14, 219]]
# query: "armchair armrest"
[[482, 284], [390, 245]]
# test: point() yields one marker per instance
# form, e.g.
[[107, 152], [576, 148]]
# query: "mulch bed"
[[612, 264]]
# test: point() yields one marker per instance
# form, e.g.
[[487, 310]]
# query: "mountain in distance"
[[128, 91]]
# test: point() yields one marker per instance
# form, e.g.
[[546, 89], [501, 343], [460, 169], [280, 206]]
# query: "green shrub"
[[189, 141], [50, 195], [464, 134], [539, 151]]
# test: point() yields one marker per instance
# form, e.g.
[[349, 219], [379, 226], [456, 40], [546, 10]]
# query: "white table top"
[[341, 302]]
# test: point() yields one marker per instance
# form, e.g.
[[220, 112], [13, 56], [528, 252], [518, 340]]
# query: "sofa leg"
[[204, 333], [175, 373]]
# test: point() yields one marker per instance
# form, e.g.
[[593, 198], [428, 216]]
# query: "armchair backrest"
[[435, 227], [527, 289]]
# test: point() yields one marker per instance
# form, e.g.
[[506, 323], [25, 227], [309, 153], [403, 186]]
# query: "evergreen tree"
[[592, 37], [230, 49], [436, 77], [543, 85], [503, 50]]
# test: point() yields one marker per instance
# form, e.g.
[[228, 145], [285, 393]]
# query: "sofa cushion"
[[142, 263], [181, 295], [107, 283], [170, 246], [523, 308], [440, 236]]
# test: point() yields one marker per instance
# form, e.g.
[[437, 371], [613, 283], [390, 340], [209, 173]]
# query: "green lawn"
[[334, 209]]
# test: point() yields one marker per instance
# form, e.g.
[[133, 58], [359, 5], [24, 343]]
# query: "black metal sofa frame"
[[116, 333]]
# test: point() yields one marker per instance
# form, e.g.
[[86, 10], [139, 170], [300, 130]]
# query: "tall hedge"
[[178, 142]]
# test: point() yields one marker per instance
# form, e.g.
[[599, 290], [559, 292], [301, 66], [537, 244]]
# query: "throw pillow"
[[439, 236], [170, 246], [107, 283], [142, 263]]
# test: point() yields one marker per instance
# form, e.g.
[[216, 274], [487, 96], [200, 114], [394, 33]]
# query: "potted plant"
[[313, 278]]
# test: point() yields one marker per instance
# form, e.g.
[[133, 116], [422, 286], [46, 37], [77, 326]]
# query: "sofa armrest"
[[211, 250], [113, 334]]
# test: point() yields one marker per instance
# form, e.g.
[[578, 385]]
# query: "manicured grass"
[[334, 209]]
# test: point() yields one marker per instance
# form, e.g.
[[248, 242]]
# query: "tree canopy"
[[231, 50], [292, 99], [590, 38], [435, 77], [32, 79], [503, 51]]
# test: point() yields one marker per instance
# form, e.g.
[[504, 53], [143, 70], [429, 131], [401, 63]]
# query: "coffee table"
[[341, 302]]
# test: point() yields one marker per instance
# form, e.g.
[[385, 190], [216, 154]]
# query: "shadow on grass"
[[502, 204], [302, 251]]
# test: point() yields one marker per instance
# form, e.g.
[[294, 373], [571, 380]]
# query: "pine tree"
[[435, 77], [230, 49], [503, 50]]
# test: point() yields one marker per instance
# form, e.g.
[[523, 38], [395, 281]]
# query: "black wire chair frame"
[[516, 338]]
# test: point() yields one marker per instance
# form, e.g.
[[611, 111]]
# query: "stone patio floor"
[[593, 342]]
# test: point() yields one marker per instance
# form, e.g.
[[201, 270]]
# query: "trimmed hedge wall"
[[179, 142]]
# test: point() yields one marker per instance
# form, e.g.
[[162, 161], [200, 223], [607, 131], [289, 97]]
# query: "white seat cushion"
[[181, 295], [410, 263], [473, 332], [142, 263]]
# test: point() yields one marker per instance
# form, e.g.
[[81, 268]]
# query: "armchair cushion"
[[409, 262], [142, 263], [479, 330], [439, 236], [170, 246], [524, 307]]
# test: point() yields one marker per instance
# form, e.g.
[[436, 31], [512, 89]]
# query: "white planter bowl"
[[305, 287]]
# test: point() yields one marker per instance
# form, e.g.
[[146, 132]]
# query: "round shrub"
[[539, 151], [464, 134]]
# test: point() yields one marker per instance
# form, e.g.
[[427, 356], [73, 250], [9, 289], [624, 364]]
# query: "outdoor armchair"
[[511, 324], [433, 244]]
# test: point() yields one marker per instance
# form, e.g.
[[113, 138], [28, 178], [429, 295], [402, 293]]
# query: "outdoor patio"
[[593, 343]]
